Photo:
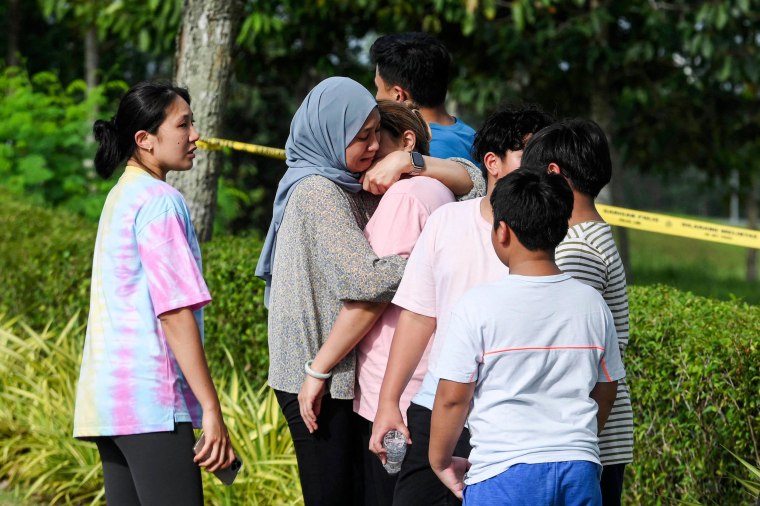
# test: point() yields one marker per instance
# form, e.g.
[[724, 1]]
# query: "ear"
[[400, 94], [553, 168], [492, 163], [409, 140], [503, 234], [143, 140]]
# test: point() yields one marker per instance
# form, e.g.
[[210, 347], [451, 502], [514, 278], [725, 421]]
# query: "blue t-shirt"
[[452, 140]]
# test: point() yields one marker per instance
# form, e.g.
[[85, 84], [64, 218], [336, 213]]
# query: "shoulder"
[[317, 190], [420, 188], [159, 199], [464, 127]]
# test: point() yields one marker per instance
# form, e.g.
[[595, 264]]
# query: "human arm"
[[452, 403], [392, 167], [353, 322], [412, 335], [604, 394], [183, 338]]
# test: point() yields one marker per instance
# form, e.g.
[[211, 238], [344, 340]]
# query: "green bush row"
[[46, 259], [693, 362]]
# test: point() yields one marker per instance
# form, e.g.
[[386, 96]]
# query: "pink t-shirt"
[[453, 254], [393, 230]]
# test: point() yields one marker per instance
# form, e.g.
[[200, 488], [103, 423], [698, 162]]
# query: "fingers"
[[213, 454]]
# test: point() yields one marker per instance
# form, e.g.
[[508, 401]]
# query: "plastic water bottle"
[[394, 443]]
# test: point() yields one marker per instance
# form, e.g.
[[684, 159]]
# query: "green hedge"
[[46, 259], [693, 362]]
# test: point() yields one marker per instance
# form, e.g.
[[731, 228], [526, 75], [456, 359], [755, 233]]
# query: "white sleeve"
[[463, 349]]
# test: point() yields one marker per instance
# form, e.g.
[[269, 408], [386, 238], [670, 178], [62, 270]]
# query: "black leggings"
[[330, 460], [154, 468]]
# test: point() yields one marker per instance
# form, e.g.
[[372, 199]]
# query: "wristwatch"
[[418, 163]]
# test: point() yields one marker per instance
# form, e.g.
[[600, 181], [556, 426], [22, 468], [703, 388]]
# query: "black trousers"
[[378, 484], [154, 468], [330, 460], [612, 484], [417, 483]]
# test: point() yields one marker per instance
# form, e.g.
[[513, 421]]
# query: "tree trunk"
[[752, 215], [13, 21], [603, 113], [203, 63], [91, 57]]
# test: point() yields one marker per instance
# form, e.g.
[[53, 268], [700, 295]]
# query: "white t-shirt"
[[536, 346], [453, 254]]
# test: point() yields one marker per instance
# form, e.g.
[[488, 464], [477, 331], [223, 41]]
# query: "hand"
[[453, 475], [385, 172], [386, 419], [310, 401], [216, 452]]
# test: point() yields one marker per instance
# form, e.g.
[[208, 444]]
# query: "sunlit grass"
[[704, 268]]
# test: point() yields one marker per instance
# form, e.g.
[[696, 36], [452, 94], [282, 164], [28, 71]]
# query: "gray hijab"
[[326, 122]]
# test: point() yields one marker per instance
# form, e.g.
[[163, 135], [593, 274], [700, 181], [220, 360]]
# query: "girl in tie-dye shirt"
[[144, 382]]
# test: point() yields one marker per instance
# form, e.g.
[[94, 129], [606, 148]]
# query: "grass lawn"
[[704, 268]]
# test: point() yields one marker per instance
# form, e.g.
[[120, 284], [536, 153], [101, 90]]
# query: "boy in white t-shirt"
[[536, 355]]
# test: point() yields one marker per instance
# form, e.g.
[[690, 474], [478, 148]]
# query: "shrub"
[[38, 374], [694, 369], [45, 153], [47, 259]]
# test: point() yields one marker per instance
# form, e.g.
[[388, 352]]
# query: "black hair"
[[579, 147], [143, 107], [536, 206], [508, 129], [417, 62]]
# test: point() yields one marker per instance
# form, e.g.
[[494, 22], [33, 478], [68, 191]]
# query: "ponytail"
[[108, 156], [143, 107]]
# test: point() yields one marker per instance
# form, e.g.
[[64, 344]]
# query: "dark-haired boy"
[[536, 354], [416, 66], [578, 149], [452, 255]]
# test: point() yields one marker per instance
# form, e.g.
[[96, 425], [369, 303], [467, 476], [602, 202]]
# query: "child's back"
[[536, 346]]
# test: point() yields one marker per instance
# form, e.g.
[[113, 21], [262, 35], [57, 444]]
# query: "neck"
[[486, 209], [534, 263], [584, 209], [437, 115], [151, 169]]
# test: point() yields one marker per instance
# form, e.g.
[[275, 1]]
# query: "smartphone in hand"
[[226, 475]]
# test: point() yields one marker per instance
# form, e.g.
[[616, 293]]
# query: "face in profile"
[[360, 153], [174, 145]]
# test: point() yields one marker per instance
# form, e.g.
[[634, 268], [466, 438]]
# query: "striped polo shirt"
[[588, 253]]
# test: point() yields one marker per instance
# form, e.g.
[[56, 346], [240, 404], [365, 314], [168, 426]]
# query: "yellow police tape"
[[213, 144], [693, 229], [618, 216]]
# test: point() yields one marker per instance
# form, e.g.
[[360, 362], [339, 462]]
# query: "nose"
[[375, 143], [194, 135]]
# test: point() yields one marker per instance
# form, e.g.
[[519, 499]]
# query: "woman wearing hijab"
[[314, 257]]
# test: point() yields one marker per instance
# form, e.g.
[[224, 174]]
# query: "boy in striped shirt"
[[578, 150], [530, 360]]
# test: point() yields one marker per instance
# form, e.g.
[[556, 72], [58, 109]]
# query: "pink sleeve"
[[172, 271], [396, 225], [416, 292]]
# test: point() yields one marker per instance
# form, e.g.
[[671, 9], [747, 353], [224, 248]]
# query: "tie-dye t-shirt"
[[147, 261]]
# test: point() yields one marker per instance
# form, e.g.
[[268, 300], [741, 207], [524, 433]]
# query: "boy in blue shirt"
[[537, 356], [415, 66]]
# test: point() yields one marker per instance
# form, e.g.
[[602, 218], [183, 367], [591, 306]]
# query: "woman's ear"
[[409, 140], [143, 140], [554, 168]]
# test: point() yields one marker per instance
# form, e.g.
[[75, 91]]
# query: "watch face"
[[417, 160]]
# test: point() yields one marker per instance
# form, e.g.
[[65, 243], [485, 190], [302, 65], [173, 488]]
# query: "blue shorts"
[[572, 483]]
